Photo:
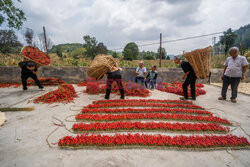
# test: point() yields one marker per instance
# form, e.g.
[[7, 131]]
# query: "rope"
[[236, 124]]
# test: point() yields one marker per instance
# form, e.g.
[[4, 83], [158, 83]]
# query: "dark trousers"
[[24, 78], [140, 80], [234, 82], [190, 80], [150, 82], [114, 77]]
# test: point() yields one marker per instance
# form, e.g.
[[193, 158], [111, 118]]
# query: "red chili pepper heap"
[[176, 88], [47, 81], [130, 89], [64, 94]]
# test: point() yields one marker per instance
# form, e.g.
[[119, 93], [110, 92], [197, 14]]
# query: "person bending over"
[[29, 69]]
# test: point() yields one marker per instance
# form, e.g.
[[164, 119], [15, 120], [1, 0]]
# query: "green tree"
[[163, 53], [168, 58], [59, 51], [131, 51], [29, 34], [12, 15], [148, 55], [8, 41], [77, 53], [101, 48], [90, 46], [228, 39]]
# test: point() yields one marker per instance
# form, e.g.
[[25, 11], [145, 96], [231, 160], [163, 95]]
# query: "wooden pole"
[[45, 40], [160, 49]]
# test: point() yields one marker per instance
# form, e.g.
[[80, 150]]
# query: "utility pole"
[[160, 49], [45, 40]]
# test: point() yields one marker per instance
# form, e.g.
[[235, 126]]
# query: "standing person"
[[114, 75], [151, 77], [190, 78], [234, 71], [140, 73], [29, 69]]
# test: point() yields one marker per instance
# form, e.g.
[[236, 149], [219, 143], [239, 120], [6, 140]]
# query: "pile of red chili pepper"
[[47, 81], [176, 88], [64, 94], [130, 89]]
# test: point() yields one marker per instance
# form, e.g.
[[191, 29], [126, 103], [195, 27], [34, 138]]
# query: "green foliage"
[[228, 39], [163, 51], [59, 52], [77, 53], [66, 48], [131, 51], [149, 55], [101, 49], [90, 46], [168, 58], [9, 42], [12, 15], [243, 37]]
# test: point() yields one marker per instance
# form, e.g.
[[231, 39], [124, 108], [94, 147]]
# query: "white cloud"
[[117, 22]]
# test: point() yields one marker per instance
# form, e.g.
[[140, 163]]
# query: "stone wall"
[[79, 74]]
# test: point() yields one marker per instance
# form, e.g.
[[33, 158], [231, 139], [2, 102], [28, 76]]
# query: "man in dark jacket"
[[190, 78], [29, 69]]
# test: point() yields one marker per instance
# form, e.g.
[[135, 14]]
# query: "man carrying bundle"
[[190, 78], [114, 75], [234, 71]]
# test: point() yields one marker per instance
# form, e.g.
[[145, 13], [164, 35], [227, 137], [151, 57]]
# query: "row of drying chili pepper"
[[144, 126], [146, 110], [142, 104], [142, 140], [150, 116]]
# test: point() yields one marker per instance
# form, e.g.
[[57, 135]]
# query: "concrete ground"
[[23, 136]]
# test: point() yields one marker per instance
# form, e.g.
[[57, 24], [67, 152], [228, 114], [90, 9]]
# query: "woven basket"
[[200, 59], [100, 66]]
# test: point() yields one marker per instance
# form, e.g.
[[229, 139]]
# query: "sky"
[[118, 22]]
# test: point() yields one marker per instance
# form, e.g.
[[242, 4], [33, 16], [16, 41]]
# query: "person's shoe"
[[233, 100], [221, 98], [24, 89], [122, 97], [41, 89], [193, 99], [183, 98], [107, 98]]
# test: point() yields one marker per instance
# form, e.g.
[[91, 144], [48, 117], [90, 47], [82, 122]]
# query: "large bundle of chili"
[[64, 94], [34, 54]]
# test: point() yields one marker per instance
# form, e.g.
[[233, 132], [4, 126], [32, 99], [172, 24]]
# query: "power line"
[[174, 40]]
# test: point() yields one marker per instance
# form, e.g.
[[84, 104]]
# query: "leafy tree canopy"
[[10, 14]]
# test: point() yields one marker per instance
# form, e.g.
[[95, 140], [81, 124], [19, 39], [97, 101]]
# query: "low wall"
[[79, 74]]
